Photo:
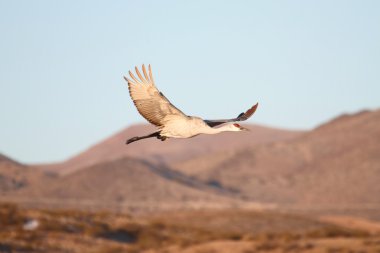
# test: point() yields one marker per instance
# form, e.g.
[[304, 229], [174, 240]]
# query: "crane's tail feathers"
[[137, 138]]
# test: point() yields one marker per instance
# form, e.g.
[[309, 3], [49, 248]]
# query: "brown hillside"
[[169, 151], [125, 184], [338, 163], [15, 176]]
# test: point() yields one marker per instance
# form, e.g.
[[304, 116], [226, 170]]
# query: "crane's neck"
[[224, 128]]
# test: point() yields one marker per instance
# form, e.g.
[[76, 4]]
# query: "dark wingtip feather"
[[248, 113], [253, 109]]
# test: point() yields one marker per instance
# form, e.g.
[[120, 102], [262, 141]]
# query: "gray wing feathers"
[[241, 117], [149, 101]]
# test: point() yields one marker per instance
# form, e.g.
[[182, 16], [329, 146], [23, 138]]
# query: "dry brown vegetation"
[[187, 231]]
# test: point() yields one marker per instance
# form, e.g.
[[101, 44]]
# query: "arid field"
[[186, 231]]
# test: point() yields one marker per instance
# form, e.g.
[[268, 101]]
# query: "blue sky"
[[62, 62]]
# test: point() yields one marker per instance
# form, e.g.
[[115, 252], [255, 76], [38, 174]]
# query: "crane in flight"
[[172, 122]]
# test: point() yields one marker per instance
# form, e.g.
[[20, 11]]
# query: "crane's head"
[[237, 127]]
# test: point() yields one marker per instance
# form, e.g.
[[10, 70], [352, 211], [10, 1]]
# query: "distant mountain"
[[4, 159], [126, 184], [338, 163], [15, 176], [172, 150]]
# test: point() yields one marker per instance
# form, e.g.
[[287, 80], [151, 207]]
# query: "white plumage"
[[172, 122]]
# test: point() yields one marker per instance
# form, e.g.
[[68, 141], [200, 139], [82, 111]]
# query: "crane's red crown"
[[237, 125]]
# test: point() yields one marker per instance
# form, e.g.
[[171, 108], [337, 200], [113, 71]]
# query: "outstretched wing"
[[242, 116], [149, 101]]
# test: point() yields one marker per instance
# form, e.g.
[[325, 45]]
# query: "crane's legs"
[[137, 138]]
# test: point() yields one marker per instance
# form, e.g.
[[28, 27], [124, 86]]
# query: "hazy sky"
[[62, 62]]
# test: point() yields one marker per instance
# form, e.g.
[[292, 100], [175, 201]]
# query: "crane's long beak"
[[244, 128]]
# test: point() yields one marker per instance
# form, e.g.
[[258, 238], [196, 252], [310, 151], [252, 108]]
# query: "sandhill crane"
[[171, 121]]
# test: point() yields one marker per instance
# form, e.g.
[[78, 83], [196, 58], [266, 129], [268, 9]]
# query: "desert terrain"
[[202, 231]]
